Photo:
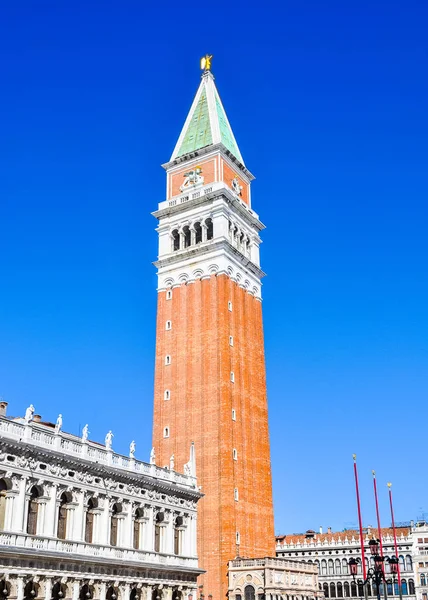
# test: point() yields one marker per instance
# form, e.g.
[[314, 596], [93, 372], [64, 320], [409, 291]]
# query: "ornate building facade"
[[272, 579], [330, 553], [80, 522], [420, 558], [210, 385]]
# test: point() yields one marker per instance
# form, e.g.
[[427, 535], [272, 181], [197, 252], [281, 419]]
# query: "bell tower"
[[210, 386]]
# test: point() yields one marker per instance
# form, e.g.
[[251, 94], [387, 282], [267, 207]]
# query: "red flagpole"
[[377, 515], [395, 534], [363, 558]]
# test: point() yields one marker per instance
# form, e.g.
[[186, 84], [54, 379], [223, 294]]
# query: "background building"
[[272, 579], [78, 521], [420, 558], [210, 385], [331, 551]]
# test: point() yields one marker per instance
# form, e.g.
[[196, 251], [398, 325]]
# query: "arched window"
[[62, 516], [339, 590], [353, 589], [158, 531], [404, 588], [3, 490], [138, 527], [210, 229], [423, 579], [249, 593], [114, 522], [317, 562], [396, 589], [175, 240], [402, 564], [325, 588], [389, 590], [332, 590], [346, 589], [338, 567], [89, 520], [323, 567], [59, 591], [198, 233], [178, 532], [187, 236], [409, 565], [345, 568], [31, 590], [85, 592], [360, 588], [33, 507], [166, 395], [411, 587], [331, 568]]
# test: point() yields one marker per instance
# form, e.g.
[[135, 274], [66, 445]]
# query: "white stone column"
[[125, 592], [192, 236], [41, 517], [169, 535], [104, 522], [9, 509], [167, 594], [19, 588], [20, 512], [204, 232], [50, 511], [102, 591], [75, 591], [48, 589], [69, 533], [78, 532], [149, 531]]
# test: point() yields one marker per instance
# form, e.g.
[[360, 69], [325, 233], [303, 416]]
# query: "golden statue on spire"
[[206, 62]]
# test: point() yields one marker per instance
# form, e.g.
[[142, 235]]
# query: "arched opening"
[[323, 567], [353, 589], [157, 594], [114, 522], [85, 592], [326, 590], [249, 593], [330, 568], [339, 590], [175, 240], [210, 229], [134, 594], [187, 236], [409, 564], [178, 532], [138, 527], [3, 490], [62, 516], [389, 589], [4, 588], [404, 588], [31, 590], [411, 587], [423, 580], [332, 590], [338, 567], [33, 507], [345, 566], [111, 593], [401, 563], [158, 531], [58, 591], [176, 595], [198, 233], [89, 520], [346, 590]]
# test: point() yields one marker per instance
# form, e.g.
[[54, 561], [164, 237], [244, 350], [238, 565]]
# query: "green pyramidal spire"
[[206, 123]]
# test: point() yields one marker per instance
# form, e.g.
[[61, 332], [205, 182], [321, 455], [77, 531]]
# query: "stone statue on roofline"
[[132, 448], [109, 440], [29, 413], [85, 433], [58, 424], [152, 457]]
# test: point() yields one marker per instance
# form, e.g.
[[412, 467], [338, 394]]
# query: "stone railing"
[[345, 541], [282, 563], [44, 437], [41, 544]]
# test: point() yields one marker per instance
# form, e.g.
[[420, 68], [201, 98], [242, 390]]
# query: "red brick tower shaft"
[[210, 385]]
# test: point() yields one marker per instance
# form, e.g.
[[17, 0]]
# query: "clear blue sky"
[[328, 101]]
